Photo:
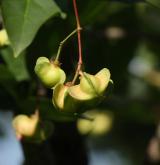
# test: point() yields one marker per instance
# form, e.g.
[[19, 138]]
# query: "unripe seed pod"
[[25, 126], [62, 101], [4, 38], [49, 73], [89, 84], [77, 98]]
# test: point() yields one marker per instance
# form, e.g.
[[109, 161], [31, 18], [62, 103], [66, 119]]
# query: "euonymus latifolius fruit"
[[25, 126], [89, 92], [4, 38], [62, 100], [31, 128], [49, 72]]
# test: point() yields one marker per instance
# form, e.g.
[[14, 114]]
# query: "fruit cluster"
[[69, 97]]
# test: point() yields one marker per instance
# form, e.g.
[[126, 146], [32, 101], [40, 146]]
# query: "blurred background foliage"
[[122, 35]]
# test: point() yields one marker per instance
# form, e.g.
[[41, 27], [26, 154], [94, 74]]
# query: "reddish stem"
[[79, 42]]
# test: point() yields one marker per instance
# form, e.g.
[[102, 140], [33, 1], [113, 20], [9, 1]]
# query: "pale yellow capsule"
[[4, 38]]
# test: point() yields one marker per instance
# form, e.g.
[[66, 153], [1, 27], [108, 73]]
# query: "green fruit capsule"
[[62, 101], [91, 86], [104, 78], [49, 73], [96, 86], [4, 38], [25, 126], [31, 128], [88, 93]]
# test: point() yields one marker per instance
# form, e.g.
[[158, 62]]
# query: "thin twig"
[[79, 42], [62, 43]]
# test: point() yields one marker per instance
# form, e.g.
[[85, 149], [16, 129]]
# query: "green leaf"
[[23, 18], [154, 3], [5, 74], [8, 83], [16, 66]]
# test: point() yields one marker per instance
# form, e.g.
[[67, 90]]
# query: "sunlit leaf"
[[23, 18]]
